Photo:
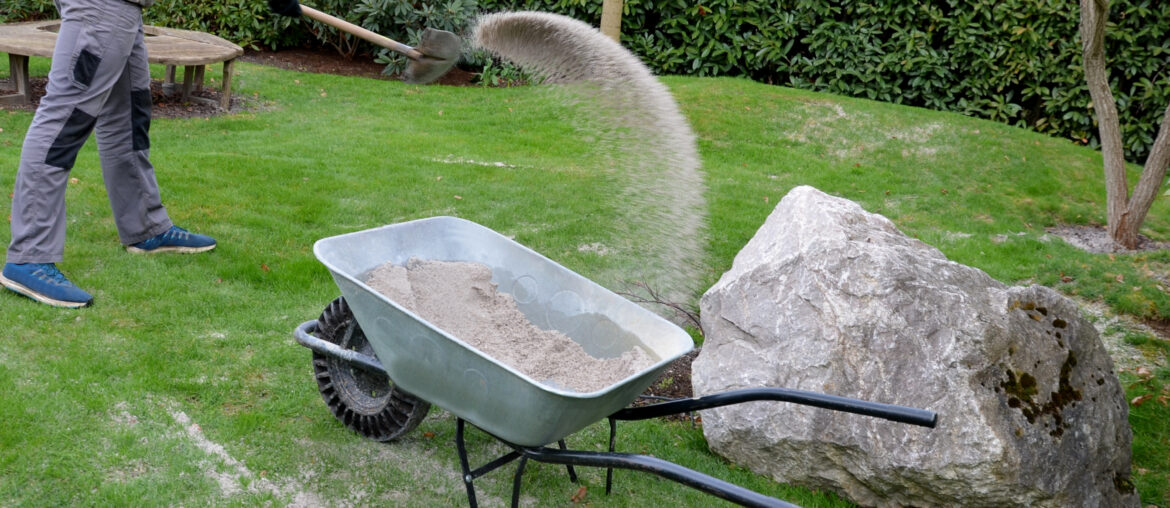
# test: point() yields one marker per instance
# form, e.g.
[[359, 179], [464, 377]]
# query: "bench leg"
[[188, 77], [18, 74], [199, 78], [225, 95], [168, 86]]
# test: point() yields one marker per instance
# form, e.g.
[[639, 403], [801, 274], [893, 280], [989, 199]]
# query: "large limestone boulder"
[[829, 298]]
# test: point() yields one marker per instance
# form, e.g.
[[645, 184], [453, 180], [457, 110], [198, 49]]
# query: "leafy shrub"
[[248, 23], [1015, 61], [15, 11]]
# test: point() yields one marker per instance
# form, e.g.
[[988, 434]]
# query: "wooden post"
[[18, 76], [225, 93], [611, 19], [188, 78], [168, 87]]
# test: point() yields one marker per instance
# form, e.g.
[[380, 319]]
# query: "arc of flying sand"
[[638, 121]]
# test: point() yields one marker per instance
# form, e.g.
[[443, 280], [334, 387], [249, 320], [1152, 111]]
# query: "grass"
[[182, 385]]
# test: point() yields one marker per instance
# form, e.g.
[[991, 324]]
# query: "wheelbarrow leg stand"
[[470, 475]]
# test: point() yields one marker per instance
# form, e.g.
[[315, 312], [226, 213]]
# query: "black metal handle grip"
[[901, 414]]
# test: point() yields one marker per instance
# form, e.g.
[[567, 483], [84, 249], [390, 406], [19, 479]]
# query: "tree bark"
[[611, 19], [1094, 15], [1153, 174]]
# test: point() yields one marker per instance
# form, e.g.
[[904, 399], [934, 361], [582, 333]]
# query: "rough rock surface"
[[829, 298]]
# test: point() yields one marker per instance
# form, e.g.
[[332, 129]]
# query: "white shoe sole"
[[182, 250]]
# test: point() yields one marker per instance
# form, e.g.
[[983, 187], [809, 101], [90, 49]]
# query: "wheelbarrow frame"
[[611, 460]]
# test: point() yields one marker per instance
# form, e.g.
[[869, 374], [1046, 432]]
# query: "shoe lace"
[[175, 232], [51, 273]]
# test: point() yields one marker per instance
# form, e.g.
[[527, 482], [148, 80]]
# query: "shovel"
[[436, 53]]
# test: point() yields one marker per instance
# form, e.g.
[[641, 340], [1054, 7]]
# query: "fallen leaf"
[[264, 267], [1144, 372], [1065, 278], [458, 196], [580, 495], [428, 435], [74, 180], [1137, 401], [1119, 278]]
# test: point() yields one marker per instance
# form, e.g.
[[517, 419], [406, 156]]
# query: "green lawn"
[[182, 384]]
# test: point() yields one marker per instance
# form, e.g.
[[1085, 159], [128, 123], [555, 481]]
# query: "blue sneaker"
[[175, 239], [44, 283]]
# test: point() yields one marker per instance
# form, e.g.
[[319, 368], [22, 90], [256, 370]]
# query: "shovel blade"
[[440, 51]]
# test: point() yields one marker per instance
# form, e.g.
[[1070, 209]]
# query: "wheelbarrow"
[[379, 367]]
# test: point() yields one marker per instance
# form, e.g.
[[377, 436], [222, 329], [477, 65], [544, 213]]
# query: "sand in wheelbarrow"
[[460, 299]]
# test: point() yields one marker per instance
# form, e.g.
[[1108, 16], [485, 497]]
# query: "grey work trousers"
[[99, 80]]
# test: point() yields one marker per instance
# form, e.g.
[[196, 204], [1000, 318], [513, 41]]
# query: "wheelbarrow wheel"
[[369, 404]]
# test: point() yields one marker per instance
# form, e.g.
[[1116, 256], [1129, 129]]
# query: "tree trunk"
[[1153, 174], [1125, 215], [611, 19], [1094, 15]]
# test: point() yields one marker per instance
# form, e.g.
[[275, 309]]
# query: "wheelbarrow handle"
[[666, 469], [304, 335], [901, 414]]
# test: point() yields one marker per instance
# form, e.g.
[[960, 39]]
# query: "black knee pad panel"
[[69, 141], [140, 107]]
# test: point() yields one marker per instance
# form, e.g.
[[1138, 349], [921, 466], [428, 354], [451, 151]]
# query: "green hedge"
[[14, 11], [248, 23], [1014, 61]]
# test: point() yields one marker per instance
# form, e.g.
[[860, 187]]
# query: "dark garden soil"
[[1096, 239]]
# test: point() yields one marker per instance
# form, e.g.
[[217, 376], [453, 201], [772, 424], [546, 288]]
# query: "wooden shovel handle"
[[351, 28]]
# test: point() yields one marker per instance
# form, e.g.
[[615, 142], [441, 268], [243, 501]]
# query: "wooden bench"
[[171, 47]]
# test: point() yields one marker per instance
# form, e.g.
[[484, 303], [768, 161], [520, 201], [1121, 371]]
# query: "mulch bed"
[[164, 106]]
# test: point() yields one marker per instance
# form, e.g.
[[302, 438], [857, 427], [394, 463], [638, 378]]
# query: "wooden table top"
[[166, 46]]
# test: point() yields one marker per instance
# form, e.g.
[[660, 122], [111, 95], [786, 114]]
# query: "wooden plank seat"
[[171, 47]]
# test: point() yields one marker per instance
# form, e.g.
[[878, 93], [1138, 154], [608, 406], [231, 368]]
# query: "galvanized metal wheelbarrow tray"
[[384, 344]]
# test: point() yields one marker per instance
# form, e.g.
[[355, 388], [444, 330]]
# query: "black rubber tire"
[[369, 404]]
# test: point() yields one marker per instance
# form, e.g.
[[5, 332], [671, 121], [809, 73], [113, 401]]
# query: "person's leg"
[[123, 135], [93, 44]]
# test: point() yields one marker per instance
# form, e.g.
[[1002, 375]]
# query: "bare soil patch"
[[1096, 239]]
